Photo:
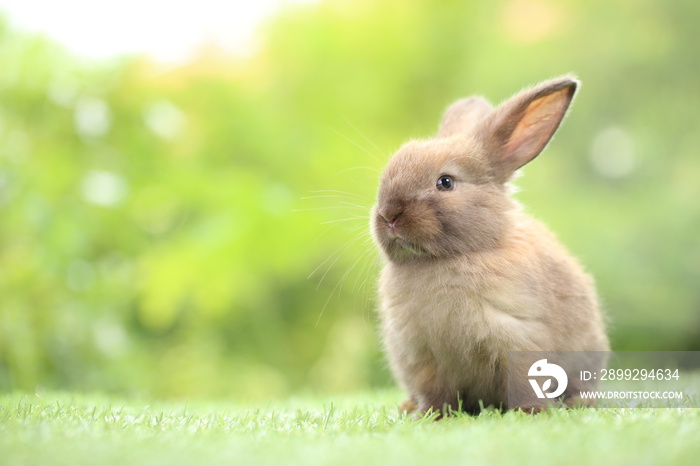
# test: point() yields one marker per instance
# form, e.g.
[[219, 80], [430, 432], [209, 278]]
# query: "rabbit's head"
[[446, 196]]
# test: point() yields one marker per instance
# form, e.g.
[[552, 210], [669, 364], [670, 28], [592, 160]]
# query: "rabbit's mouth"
[[400, 248], [398, 239]]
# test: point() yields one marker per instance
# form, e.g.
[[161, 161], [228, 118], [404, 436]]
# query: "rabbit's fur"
[[469, 276]]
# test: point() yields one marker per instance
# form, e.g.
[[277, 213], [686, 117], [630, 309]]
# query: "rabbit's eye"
[[445, 183]]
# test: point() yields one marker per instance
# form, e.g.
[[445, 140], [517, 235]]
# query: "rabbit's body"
[[469, 276], [448, 325]]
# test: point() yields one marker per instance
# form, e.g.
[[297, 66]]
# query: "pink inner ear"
[[536, 127]]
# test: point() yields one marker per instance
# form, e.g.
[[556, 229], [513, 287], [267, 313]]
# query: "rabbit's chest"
[[453, 316]]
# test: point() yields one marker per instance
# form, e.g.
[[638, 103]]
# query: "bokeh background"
[[200, 228]]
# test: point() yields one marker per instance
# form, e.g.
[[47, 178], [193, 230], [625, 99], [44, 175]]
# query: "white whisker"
[[349, 204], [338, 287], [338, 195], [341, 220], [379, 151], [355, 227], [330, 196], [335, 225], [312, 209], [334, 191], [348, 245], [365, 256], [363, 149], [333, 254], [372, 169], [336, 254]]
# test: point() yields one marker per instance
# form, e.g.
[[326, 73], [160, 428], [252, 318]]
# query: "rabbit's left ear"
[[463, 116], [518, 130]]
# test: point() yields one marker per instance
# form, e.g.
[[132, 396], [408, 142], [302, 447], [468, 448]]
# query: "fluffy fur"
[[468, 276]]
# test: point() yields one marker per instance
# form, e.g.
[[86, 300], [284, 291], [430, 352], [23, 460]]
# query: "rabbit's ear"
[[463, 116], [518, 130]]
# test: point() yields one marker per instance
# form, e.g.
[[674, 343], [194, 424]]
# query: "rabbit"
[[467, 276]]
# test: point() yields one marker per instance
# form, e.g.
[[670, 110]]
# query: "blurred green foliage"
[[159, 225]]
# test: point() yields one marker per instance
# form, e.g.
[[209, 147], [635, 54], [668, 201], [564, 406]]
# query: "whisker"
[[335, 225], [338, 287], [330, 266], [350, 204], [341, 220], [363, 149], [363, 259], [347, 120], [330, 196], [312, 209], [355, 228], [365, 256], [335, 191], [372, 169], [370, 262], [336, 254], [333, 254]]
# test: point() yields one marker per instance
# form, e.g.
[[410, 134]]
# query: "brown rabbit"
[[468, 275]]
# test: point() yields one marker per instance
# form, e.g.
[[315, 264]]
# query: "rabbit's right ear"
[[463, 116], [518, 130]]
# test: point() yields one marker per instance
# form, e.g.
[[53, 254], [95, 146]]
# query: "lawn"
[[359, 429]]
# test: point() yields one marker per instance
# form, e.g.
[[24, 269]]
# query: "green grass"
[[362, 429]]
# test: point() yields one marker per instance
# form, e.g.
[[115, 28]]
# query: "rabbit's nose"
[[391, 211], [391, 217]]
